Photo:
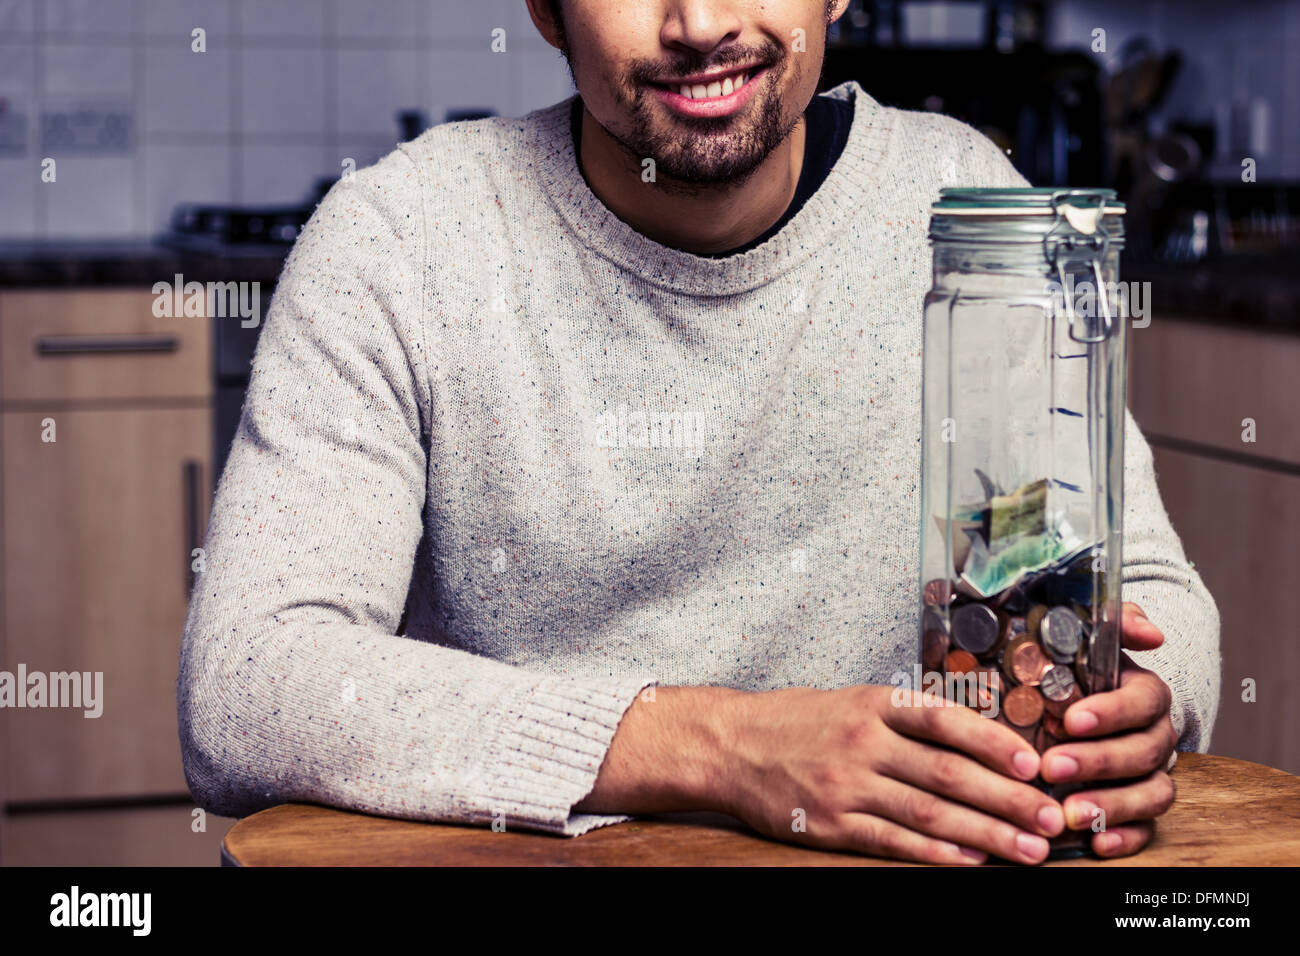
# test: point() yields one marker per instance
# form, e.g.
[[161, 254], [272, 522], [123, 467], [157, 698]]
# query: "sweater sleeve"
[[1157, 574], [294, 684]]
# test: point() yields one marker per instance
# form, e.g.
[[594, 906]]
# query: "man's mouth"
[[714, 95], [710, 86]]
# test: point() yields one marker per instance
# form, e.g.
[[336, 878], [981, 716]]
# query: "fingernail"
[[1108, 842], [1062, 767], [1081, 813], [1034, 847], [1082, 721], [1025, 763], [1051, 819]]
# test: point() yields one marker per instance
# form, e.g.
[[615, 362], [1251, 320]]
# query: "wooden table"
[[1227, 813]]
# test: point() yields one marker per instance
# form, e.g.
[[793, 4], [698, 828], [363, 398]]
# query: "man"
[[467, 563]]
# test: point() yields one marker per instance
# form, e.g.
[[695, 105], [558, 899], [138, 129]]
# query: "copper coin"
[[1028, 663], [1057, 708], [1023, 706], [1061, 633], [934, 649], [1056, 683], [960, 662], [1007, 655], [975, 628], [1054, 725], [938, 592], [1035, 617]]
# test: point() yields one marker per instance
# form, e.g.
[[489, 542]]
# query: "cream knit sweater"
[[574, 463]]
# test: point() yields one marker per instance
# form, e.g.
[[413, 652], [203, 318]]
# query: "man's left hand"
[[1137, 714]]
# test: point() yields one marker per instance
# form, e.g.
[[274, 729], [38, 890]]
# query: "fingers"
[[1134, 803], [1141, 699], [1136, 632], [1135, 754], [934, 815], [955, 775], [1123, 840], [876, 836], [997, 747]]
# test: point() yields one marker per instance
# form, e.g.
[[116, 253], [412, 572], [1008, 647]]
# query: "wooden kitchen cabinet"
[[97, 530], [129, 836], [1235, 504], [1241, 528]]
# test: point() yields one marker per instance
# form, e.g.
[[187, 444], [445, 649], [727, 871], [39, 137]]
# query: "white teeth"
[[700, 91]]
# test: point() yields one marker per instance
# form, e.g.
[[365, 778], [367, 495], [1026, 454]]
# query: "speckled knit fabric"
[[575, 462]]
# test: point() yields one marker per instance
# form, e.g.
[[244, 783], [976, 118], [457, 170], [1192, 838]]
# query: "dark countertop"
[[55, 264], [1262, 293]]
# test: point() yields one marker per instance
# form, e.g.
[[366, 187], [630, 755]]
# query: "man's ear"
[[834, 10], [545, 16]]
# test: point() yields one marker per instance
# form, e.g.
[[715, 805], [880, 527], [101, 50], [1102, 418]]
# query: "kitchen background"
[[206, 163]]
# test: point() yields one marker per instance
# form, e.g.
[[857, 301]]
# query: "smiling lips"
[[719, 95]]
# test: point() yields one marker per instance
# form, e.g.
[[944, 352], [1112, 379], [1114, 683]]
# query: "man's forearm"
[[668, 753]]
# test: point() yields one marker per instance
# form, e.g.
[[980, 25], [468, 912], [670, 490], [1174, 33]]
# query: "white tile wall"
[[186, 93], [281, 90], [285, 91]]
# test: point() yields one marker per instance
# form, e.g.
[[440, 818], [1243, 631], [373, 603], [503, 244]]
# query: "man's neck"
[[706, 219]]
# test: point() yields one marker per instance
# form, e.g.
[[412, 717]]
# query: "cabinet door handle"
[[99, 344], [190, 491]]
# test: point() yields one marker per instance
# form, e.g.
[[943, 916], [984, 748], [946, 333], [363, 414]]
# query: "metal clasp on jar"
[[1080, 228]]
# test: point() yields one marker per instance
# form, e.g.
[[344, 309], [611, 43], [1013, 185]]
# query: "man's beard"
[[704, 151]]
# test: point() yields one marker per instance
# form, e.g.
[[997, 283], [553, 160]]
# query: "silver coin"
[[1057, 683], [1061, 633], [975, 628]]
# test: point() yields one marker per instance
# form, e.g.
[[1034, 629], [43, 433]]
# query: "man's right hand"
[[929, 781]]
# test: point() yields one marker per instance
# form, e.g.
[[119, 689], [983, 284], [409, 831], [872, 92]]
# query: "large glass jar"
[[1022, 457]]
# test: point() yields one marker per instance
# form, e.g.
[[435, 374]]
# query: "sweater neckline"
[[851, 183]]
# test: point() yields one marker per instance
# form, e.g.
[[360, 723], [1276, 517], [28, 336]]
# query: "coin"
[[1057, 708], [1035, 617], [975, 628], [1054, 725], [959, 662], [1007, 654], [934, 649], [1023, 706], [1028, 663], [1061, 632], [938, 592], [1056, 683]]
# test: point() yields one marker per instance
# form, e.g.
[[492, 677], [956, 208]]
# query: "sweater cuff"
[[548, 753]]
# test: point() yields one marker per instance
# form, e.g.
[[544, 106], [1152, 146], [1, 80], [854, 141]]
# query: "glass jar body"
[[1022, 484]]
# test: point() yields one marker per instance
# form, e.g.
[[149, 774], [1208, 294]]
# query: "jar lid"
[[1029, 214], [1038, 200]]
